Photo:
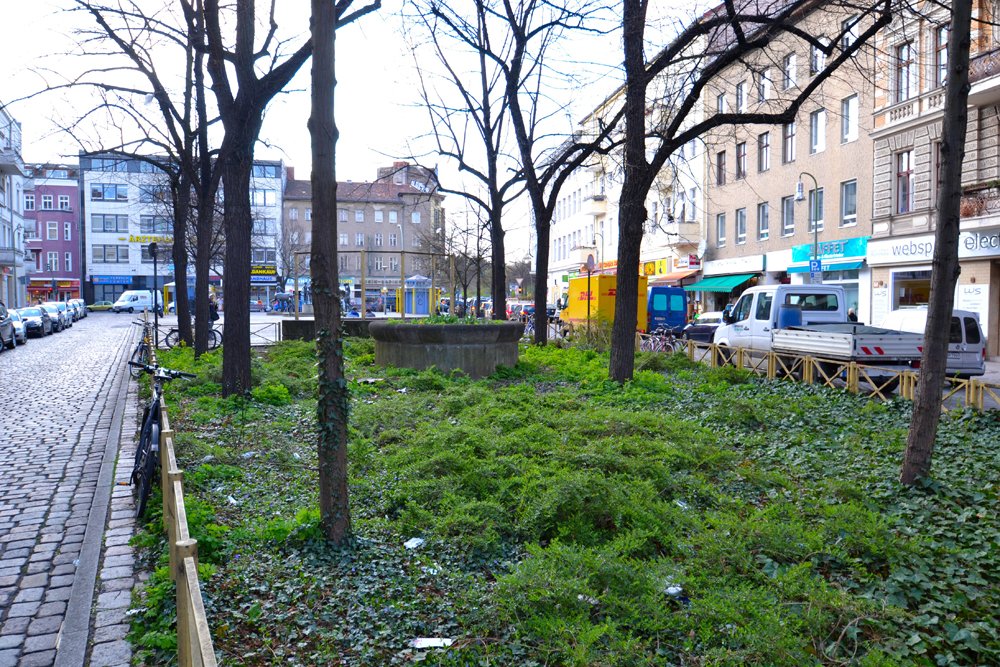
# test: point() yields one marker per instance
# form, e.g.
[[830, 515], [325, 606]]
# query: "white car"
[[966, 343], [20, 331]]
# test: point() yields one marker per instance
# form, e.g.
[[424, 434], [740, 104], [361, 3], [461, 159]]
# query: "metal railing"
[[875, 381], [262, 334]]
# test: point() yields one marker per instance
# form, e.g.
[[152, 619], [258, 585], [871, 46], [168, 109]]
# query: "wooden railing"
[[852, 376], [194, 641]]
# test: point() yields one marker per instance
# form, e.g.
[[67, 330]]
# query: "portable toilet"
[[417, 298]]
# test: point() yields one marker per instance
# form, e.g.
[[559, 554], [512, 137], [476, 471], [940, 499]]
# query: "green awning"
[[719, 283]]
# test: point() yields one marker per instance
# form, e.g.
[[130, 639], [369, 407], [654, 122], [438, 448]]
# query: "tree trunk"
[[927, 402], [237, 220], [499, 265], [632, 210], [334, 400], [182, 213]]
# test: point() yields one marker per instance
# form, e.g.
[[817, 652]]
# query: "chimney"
[[290, 171]]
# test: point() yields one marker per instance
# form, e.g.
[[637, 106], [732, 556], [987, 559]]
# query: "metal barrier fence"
[[194, 640], [852, 376], [262, 334]]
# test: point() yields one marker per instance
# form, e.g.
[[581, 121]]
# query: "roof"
[[349, 191]]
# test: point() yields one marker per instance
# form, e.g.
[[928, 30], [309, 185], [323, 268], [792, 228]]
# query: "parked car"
[[75, 312], [551, 312], [36, 321], [7, 336], [58, 320], [966, 341], [81, 307], [65, 314], [20, 331], [703, 327], [258, 306], [98, 306]]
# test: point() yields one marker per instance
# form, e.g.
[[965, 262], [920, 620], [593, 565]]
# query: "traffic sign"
[[815, 266]]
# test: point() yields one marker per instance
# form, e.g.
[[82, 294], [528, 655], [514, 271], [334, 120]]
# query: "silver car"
[[58, 318], [20, 330], [65, 314]]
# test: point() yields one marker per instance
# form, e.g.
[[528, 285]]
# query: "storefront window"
[[911, 288]]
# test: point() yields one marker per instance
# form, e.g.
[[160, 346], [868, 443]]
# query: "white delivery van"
[[137, 300], [966, 343]]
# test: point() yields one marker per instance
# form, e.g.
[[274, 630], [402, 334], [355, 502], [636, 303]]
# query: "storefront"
[[263, 283], [842, 262], [53, 289], [109, 288], [724, 280], [901, 277]]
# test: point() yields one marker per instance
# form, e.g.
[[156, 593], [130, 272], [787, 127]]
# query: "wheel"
[[131, 309], [140, 355], [726, 355], [214, 339], [172, 338], [147, 471]]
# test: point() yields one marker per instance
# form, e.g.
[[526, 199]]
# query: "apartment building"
[[908, 111], [780, 197], [385, 229], [12, 225], [52, 235], [126, 206]]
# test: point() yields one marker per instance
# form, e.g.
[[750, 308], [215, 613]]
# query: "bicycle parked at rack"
[[141, 353], [147, 453], [662, 340], [173, 338]]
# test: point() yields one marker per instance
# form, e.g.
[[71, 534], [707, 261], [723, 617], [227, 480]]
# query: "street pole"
[[156, 311], [814, 218]]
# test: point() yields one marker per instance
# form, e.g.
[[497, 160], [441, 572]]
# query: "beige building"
[[779, 196], [384, 228], [909, 106]]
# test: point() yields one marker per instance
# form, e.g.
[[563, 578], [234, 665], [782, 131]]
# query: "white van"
[[966, 344], [749, 323], [137, 300]]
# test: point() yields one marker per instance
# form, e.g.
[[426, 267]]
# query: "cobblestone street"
[[61, 422]]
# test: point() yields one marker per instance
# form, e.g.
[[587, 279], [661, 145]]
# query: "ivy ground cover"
[[545, 516]]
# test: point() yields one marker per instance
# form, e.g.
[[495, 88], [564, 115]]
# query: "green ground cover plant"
[[694, 516]]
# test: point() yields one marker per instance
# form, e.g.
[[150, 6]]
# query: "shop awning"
[[670, 278], [829, 266], [720, 283]]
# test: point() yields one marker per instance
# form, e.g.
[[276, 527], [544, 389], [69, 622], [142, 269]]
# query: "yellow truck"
[[600, 295]]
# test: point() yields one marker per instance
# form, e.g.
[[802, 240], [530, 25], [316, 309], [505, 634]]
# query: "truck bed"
[[848, 341]]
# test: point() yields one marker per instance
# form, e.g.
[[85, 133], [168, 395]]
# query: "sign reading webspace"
[[979, 243]]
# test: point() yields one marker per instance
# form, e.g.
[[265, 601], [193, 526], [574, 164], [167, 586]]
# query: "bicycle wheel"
[[139, 355], [148, 471], [214, 339], [172, 338]]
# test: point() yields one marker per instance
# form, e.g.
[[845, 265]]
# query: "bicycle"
[[661, 340], [147, 453], [173, 338], [141, 353]]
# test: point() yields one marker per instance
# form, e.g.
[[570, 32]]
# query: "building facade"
[[782, 200], [909, 107], [53, 236], [12, 225], [384, 231]]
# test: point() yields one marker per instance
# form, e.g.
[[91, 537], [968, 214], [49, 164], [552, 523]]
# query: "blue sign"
[[831, 250], [815, 266], [112, 280]]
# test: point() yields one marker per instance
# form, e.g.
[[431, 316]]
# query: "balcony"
[[11, 163], [11, 257], [984, 77], [595, 205], [977, 203]]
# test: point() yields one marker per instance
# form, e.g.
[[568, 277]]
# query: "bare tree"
[[700, 53], [332, 408], [945, 268]]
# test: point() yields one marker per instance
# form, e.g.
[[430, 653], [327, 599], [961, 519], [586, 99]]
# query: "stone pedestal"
[[475, 349]]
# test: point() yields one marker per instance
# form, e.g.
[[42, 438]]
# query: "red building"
[[52, 236]]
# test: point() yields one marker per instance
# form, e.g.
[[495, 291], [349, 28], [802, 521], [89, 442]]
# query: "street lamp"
[[17, 235], [156, 310], [816, 277], [402, 272], [600, 254], [385, 301]]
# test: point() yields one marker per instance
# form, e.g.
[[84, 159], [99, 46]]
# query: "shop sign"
[[263, 274], [112, 280], [829, 250], [721, 267], [978, 243], [138, 238], [690, 262]]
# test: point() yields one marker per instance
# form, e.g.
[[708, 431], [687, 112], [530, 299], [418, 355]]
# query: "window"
[[52, 261], [263, 197], [63, 202], [266, 171], [720, 168], [342, 215], [359, 240], [720, 230], [848, 203], [264, 256], [741, 97], [379, 263], [29, 202], [108, 164], [359, 215], [67, 231], [378, 240], [392, 240], [378, 216], [149, 167], [764, 151], [905, 75], [293, 213], [415, 217], [904, 182], [57, 173], [763, 310], [720, 103], [265, 227], [741, 160], [152, 194], [414, 241], [47, 202], [309, 215], [394, 264], [107, 192], [52, 231], [787, 216], [941, 55], [343, 239], [158, 224], [691, 199], [741, 226], [763, 221], [393, 217], [849, 119], [764, 85], [344, 261], [816, 210], [109, 223], [112, 254], [788, 143], [817, 58], [788, 72], [68, 261], [817, 131], [848, 32]]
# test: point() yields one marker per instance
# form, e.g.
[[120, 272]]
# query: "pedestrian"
[[851, 315], [213, 309]]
